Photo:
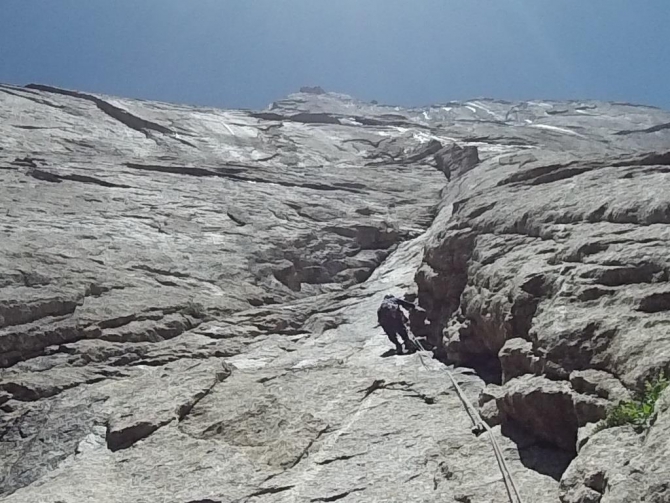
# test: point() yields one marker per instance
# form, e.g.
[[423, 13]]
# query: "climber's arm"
[[407, 305]]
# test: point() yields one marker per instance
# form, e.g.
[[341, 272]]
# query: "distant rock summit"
[[188, 300], [312, 90]]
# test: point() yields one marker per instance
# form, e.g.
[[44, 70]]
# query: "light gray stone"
[[188, 297]]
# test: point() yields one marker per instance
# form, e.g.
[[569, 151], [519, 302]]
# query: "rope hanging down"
[[478, 422]]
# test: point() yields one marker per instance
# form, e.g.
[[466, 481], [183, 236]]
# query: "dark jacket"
[[390, 312]]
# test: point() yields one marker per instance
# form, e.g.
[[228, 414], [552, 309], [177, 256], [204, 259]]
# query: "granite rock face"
[[188, 297]]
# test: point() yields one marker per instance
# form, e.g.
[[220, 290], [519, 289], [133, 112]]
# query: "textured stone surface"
[[553, 262], [550, 409], [517, 358], [188, 297]]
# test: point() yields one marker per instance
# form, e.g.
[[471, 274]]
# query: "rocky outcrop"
[[552, 268], [618, 464], [549, 409], [454, 160], [188, 297]]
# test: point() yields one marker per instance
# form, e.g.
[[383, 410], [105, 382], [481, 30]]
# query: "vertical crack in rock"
[[305, 451], [185, 409]]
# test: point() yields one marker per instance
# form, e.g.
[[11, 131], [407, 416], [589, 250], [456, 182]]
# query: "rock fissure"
[[47, 176], [230, 175], [338, 496], [270, 490], [344, 457], [116, 113], [123, 438], [186, 408], [305, 451], [24, 91]]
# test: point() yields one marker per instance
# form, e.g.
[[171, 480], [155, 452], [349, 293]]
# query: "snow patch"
[[425, 138], [483, 108], [421, 138], [249, 363], [557, 129], [229, 129]]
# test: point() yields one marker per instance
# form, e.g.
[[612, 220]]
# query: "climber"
[[393, 320]]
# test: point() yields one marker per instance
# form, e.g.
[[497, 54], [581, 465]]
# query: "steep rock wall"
[[188, 296]]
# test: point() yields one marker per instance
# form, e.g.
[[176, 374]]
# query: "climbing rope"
[[478, 422]]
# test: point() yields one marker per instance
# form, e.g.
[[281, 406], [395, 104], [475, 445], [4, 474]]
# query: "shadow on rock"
[[538, 456], [388, 353]]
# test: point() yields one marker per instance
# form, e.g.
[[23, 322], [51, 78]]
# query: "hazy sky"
[[247, 53]]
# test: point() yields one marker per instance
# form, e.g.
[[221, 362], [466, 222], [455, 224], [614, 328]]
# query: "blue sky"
[[247, 53]]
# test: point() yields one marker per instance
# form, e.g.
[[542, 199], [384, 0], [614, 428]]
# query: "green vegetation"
[[636, 412]]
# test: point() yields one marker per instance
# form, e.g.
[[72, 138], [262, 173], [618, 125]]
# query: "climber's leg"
[[391, 333], [409, 345]]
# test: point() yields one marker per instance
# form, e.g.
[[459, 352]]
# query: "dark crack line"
[[162, 272], [238, 221], [339, 496], [117, 322], [123, 116], [413, 477], [270, 490], [185, 409], [267, 379], [25, 394], [185, 142], [270, 477], [159, 361], [376, 384], [652, 129], [133, 434], [33, 128], [340, 458], [301, 117], [268, 158], [305, 451], [34, 100], [204, 172], [46, 176], [92, 180]]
